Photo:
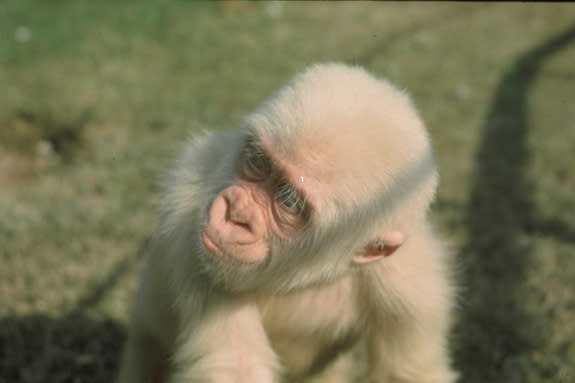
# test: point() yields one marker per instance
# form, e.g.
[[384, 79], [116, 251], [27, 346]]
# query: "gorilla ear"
[[383, 246]]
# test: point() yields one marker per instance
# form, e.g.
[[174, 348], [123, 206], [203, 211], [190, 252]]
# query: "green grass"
[[95, 98]]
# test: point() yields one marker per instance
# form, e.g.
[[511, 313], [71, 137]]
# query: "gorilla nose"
[[240, 217], [245, 218]]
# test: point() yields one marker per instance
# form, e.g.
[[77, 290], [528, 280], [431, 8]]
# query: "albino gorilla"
[[285, 241]]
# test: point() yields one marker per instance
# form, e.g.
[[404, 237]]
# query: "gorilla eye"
[[289, 198], [256, 165]]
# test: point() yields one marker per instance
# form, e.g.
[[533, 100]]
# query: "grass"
[[95, 97]]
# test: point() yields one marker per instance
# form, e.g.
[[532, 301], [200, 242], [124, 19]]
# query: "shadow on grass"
[[378, 49], [494, 331], [70, 349], [73, 348]]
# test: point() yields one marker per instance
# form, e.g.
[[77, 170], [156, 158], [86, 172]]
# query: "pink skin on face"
[[237, 226], [242, 218]]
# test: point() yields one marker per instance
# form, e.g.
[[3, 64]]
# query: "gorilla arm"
[[219, 338], [228, 345]]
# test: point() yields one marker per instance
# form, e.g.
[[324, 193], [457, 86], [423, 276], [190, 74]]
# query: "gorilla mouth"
[[210, 244], [213, 247]]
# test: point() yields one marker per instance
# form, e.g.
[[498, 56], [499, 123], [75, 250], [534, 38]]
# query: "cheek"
[[285, 225]]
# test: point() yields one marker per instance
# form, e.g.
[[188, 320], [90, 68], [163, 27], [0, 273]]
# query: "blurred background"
[[96, 97]]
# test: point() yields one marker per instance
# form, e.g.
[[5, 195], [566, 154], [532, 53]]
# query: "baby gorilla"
[[283, 242]]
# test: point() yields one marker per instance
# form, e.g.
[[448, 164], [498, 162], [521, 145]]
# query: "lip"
[[210, 244]]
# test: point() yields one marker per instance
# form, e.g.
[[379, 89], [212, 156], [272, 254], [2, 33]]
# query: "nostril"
[[242, 224], [245, 226], [239, 217], [242, 213]]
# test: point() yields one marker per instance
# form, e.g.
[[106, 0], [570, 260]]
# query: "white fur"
[[369, 167]]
